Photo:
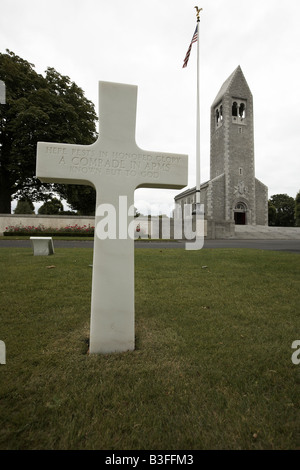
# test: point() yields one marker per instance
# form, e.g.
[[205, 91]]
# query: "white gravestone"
[[2, 92], [115, 166], [2, 353], [42, 246]]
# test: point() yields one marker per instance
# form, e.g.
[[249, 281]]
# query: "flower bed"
[[40, 230]]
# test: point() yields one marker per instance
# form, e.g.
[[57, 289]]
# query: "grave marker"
[[2, 92], [2, 353], [42, 246], [115, 166]]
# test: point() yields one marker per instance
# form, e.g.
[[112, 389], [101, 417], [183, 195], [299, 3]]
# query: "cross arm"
[[162, 170], [66, 163]]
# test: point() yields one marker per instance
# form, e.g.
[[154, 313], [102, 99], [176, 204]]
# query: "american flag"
[[194, 39]]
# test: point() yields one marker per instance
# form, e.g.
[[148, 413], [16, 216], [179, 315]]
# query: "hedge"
[[40, 230]]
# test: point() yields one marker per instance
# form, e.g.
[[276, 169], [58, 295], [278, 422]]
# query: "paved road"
[[277, 245]]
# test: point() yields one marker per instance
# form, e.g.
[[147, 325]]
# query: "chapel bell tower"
[[233, 195], [232, 148]]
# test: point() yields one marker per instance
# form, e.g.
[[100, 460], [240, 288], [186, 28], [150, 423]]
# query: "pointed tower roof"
[[225, 88]]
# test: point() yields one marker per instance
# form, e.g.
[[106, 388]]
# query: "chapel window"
[[242, 111], [234, 108], [239, 112], [218, 116]]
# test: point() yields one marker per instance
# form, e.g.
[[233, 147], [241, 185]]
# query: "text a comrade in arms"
[[99, 159], [91, 157]]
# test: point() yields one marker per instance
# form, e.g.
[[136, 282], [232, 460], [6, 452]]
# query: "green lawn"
[[212, 367]]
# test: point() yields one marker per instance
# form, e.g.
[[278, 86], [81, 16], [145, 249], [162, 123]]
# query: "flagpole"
[[198, 117], [198, 212]]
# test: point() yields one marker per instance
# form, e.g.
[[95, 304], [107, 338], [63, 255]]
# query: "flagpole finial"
[[198, 13]]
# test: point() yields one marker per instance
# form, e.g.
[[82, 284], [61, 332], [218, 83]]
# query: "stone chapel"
[[232, 195]]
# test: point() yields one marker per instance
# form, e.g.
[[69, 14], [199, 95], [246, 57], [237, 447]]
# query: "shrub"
[[40, 230]]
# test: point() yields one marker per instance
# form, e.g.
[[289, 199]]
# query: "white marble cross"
[[115, 166]]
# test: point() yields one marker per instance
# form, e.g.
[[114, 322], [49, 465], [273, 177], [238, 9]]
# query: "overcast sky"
[[144, 42]]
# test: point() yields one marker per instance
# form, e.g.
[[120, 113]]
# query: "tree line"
[[52, 108]]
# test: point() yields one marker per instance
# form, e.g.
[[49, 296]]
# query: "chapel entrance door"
[[240, 218], [240, 214]]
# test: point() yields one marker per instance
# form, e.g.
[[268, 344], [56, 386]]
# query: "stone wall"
[[145, 227]]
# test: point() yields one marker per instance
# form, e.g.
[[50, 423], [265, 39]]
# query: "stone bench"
[[42, 246]]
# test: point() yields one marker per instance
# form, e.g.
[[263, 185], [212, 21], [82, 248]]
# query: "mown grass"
[[212, 367]]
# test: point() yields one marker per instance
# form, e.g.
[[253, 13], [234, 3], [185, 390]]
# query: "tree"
[[282, 210], [297, 210], [81, 198], [52, 207], [24, 206], [49, 109], [271, 214]]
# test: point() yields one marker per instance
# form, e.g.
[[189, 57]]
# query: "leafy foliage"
[[24, 206], [81, 198], [281, 210], [40, 230], [52, 207]]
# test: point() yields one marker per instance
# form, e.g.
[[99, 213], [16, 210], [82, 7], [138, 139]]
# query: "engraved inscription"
[[104, 162]]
